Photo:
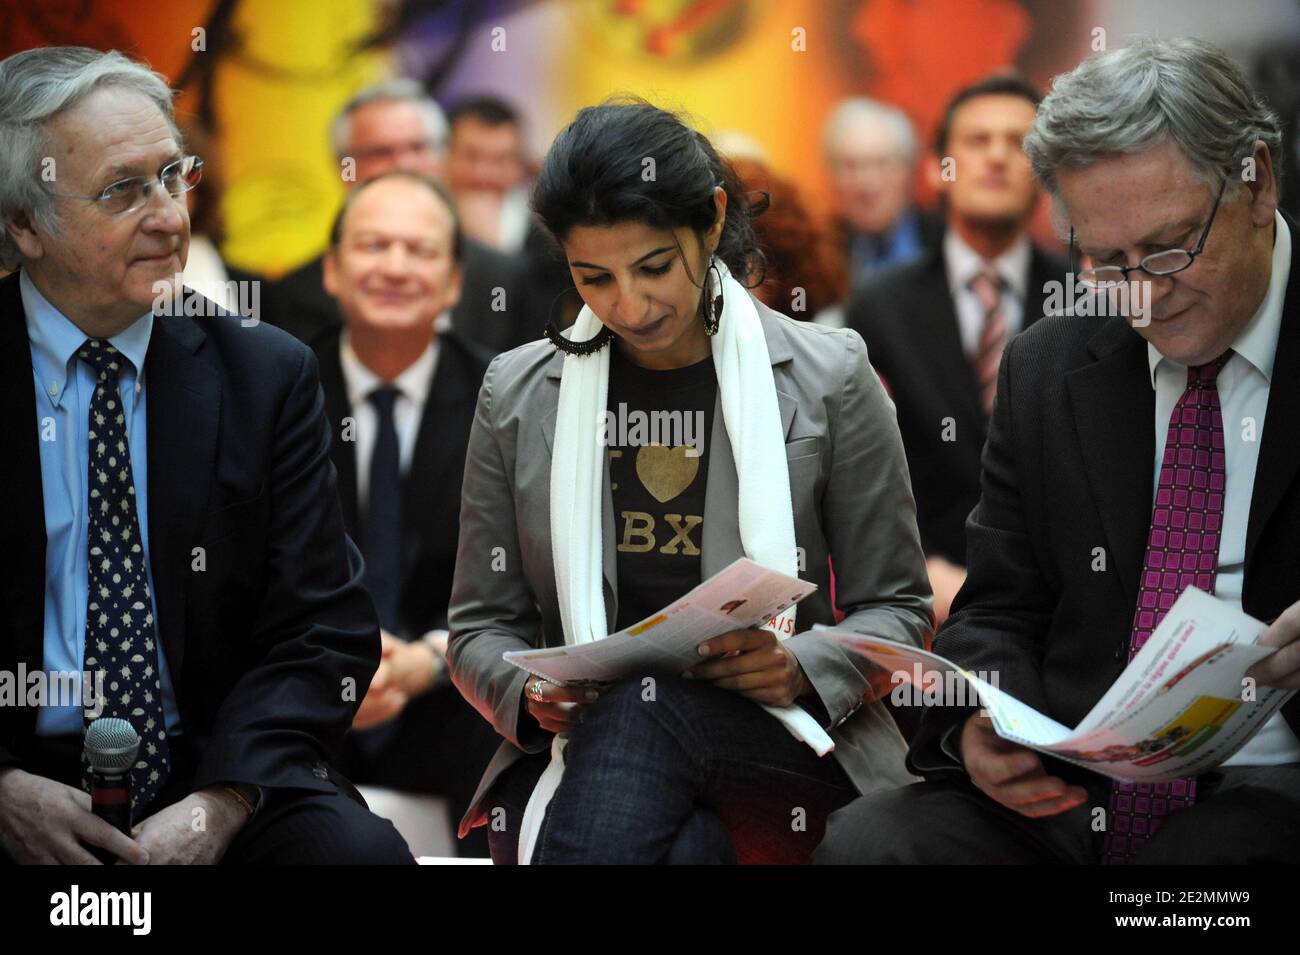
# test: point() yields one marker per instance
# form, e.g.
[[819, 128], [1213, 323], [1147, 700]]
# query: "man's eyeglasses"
[[1167, 262], [127, 195]]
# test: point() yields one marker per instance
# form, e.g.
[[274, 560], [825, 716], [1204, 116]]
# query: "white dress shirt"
[[1243, 397], [413, 388], [205, 272], [963, 263]]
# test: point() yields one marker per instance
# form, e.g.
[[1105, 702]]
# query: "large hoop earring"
[[567, 346], [713, 309]]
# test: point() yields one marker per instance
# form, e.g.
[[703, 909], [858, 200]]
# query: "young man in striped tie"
[[935, 329]]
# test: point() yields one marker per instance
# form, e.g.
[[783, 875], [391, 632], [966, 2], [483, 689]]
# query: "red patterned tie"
[[1182, 550], [987, 286]]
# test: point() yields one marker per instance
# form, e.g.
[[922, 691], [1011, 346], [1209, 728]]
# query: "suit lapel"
[[1114, 417], [935, 316], [451, 397], [22, 532], [183, 396], [342, 453]]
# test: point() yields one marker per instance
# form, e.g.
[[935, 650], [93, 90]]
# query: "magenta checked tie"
[[1182, 550]]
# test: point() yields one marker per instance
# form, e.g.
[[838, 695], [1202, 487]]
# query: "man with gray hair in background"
[[171, 523], [396, 125], [870, 150], [1163, 441]]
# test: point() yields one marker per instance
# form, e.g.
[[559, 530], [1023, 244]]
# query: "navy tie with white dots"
[[120, 632]]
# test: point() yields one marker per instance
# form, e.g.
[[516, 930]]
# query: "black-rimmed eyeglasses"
[[1163, 263]]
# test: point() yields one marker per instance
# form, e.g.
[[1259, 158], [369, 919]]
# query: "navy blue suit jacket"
[[265, 640]]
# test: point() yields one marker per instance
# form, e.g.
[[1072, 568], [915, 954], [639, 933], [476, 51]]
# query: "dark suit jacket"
[[907, 318], [1070, 466], [430, 488], [300, 305], [261, 641]]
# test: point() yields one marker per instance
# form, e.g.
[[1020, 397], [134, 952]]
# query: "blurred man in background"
[[486, 172], [488, 175], [396, 125], [936, 329], [870, 152], [400, 397]]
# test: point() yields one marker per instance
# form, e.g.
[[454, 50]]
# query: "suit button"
[[320, 771]]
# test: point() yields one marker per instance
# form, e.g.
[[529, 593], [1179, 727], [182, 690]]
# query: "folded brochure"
[[1180, 708], [742, 595]]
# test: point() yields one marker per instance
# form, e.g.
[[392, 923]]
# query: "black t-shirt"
[[656, 432]]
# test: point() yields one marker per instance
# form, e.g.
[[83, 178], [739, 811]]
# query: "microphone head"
[[111, 745]]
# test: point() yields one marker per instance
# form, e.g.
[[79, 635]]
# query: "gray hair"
[[35, 87], [860, 109], [1131, 99], [400, 91]]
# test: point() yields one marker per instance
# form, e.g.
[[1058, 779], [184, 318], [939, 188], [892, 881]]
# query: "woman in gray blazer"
[[562, 543]]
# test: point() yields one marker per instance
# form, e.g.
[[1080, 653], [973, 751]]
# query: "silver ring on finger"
[[535, 691]]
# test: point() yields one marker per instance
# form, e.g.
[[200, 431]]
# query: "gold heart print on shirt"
[[666, 472]]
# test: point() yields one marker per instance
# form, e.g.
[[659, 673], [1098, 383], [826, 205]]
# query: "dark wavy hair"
[[593, 175]]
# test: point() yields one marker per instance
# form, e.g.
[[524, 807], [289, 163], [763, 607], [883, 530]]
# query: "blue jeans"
[[687, 774]]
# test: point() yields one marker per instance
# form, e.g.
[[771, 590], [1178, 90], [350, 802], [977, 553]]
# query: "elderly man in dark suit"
[[1129, 456], [935, 328], [400, 398], [193, 563]]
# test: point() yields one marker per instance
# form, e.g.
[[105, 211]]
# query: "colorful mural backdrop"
[[267, 75]]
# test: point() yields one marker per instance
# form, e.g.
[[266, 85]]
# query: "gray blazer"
[[852, 499]]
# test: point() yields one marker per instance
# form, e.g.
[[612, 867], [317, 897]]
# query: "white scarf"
[[766, 519]]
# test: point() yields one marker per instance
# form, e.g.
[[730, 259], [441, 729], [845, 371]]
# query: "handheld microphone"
[[111, 747]]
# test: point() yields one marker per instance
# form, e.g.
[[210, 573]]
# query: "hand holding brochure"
[[742, 595], [1180, 707]]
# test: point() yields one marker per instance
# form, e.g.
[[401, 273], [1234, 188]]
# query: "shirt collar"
[[55, 339], [1257, 342], [964, 263], [360, 381]]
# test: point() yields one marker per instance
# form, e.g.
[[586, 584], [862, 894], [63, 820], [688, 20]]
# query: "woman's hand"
[[755, 664], [557, 709]]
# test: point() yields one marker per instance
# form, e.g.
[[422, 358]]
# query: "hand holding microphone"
[[111, 748], [45, 822]]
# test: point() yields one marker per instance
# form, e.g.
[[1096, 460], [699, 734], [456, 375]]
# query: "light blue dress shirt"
[[64, 386]]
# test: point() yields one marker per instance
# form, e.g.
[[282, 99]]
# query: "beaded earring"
[[568, 347]]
